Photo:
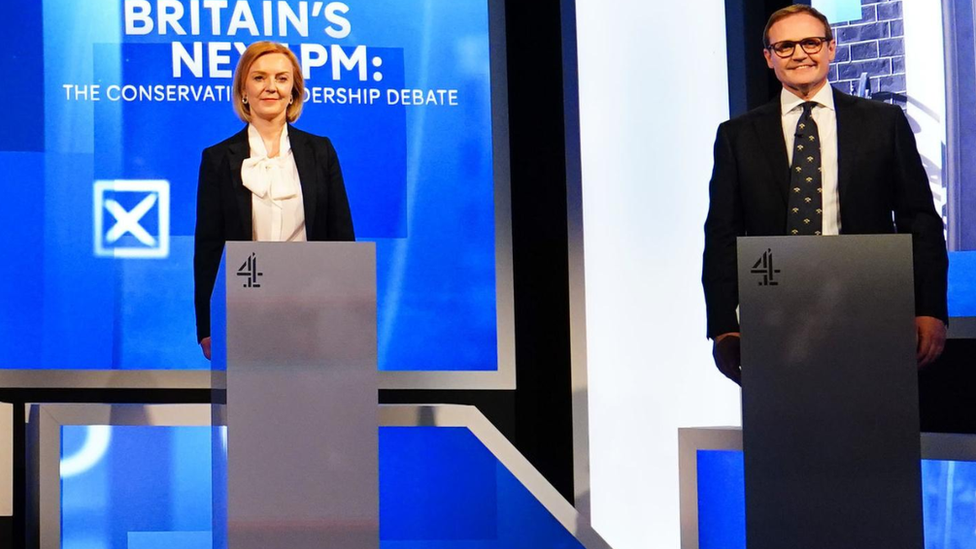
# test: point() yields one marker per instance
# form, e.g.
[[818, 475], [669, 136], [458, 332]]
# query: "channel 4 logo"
[[764, 267], [249, 270], [132, 218]]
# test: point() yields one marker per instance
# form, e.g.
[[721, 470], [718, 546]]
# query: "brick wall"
[[873, 44]]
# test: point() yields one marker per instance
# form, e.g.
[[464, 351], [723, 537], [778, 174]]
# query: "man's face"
[[802, 73]]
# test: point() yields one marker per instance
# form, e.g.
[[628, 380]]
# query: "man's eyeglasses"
[[786, 48]]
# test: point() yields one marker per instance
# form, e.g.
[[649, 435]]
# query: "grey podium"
[[295, 397], [829, 392]]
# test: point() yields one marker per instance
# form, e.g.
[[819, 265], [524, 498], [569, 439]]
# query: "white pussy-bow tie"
[[263, 176]]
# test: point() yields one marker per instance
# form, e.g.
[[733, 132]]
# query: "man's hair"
[[248, 58], [796, 9]]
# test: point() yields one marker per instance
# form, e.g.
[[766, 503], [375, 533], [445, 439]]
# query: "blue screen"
[[127, 95], [962, 284], [947, 501]]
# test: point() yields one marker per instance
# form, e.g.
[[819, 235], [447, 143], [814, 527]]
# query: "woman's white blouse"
[[277, 210]]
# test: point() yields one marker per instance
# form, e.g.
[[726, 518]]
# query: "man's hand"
[[205, 345], [930, 336], [727, 356]]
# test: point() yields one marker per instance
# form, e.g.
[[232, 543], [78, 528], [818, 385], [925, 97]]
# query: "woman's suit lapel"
[[303, 150], [237, 151]]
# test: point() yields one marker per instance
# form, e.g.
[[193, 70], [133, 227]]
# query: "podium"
[[829, 392], [295, 415]]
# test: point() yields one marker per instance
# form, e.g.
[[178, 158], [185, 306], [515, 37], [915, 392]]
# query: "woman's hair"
[[250, 55]]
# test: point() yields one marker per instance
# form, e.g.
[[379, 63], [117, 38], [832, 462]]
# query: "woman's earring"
[[292, 100], [244, 100]]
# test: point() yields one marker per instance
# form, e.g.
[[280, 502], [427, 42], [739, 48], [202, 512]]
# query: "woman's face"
[[268, 86]]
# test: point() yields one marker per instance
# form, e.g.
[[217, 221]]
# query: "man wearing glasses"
[[816, 161]]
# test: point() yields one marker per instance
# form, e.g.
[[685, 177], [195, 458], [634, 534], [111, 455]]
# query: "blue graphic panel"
[[427, 494], [120, 480], [169, 540], [962, 284], [948, 502], [948, 489], [721, 500], [132, 91], [22, 296], [440, 488], [24, 51]]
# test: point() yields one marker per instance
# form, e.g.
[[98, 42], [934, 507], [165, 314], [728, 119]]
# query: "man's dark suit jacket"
[[883, 189], [224, 205]]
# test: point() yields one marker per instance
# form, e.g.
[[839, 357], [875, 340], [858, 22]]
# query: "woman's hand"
[[205, 345]]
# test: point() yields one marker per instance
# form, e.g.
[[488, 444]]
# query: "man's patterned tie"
[[805, 215]]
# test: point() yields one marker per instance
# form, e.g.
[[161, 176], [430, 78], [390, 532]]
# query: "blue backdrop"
[[129, 92]]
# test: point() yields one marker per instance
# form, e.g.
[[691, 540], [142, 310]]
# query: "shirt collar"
[[788, 101]]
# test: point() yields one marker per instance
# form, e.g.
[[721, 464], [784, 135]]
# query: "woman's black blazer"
[[224, 205]]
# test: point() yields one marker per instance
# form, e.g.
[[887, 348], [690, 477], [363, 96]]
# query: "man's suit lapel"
[[304, 153], [848, 139], [238, 150], [769, 127]]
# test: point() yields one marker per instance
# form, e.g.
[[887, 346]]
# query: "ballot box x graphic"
[[131, 218]]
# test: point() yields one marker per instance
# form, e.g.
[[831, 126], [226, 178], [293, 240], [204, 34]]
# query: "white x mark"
[[128, 221]]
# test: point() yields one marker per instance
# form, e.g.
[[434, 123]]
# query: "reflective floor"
[[150, 488]]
